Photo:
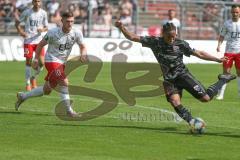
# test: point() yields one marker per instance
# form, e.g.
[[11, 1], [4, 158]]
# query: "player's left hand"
[[83, 58], [35, 64]]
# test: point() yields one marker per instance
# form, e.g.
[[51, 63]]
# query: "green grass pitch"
[[36, 133]]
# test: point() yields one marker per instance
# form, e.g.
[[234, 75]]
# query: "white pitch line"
[[117, 117], [87, 100], [176, 120]]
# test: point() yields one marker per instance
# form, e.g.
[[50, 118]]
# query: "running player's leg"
[[65, 98], [173, 95], [28, 69], [37, 71], [222, 79], [227, 65], [28, 53], [193, 86], [59, 82], [237, 65], [36, 92]]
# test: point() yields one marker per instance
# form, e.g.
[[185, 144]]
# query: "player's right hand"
[[83, 58], [218, 49], [118, 24], [24, 34], [223, 59]]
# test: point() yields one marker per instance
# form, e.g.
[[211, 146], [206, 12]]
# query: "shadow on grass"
[[194, 159], [10, 112], [27, 113], [172, 130], [223, 134], [165, 129]]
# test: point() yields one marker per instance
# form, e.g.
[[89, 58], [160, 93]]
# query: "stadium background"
[[144, 131], [199, 19]]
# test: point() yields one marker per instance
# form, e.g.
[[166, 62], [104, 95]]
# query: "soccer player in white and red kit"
[[231, 31], [36, 22], [60, 41]]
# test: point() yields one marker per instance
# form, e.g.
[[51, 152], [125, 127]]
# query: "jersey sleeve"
[[48, 37], [148, 41], [45, 19], [187, 50], [224, 30], [79, 37], [23, 16]]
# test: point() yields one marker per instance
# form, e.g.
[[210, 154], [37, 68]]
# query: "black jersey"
[[169, 56]]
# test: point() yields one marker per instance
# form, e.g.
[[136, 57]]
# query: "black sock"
[[183, 113], [214, 88]]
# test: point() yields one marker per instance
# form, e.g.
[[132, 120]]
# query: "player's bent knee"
[[205, 98], [47, 89], [28, 62], [63, 82], [174, 102], [46, 92]]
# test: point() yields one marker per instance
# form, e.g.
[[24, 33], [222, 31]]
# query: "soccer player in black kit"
[[169, 52]]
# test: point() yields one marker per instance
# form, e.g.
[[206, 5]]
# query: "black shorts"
[[185, 81]]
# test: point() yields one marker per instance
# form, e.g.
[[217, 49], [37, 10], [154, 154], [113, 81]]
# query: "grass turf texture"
[[36, 133]]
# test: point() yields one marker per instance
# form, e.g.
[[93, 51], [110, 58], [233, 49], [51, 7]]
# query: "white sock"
[[238, 81], [64, 95], [36, 92], [27, 74], [222, 90], [36, 72]]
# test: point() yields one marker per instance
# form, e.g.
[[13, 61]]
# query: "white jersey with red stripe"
[[33, 20], [231, 32], [60, 44]]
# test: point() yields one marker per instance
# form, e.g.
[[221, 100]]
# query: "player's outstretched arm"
[[206, 56], [126, 33]]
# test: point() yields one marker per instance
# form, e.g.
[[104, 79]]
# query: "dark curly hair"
[[169, 27]]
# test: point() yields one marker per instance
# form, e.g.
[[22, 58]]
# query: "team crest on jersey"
[[175, 48], [46, 37], [197, 88], [72, 38]]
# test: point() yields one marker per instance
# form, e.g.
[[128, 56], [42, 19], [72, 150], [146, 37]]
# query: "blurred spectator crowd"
[[101, 11]]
